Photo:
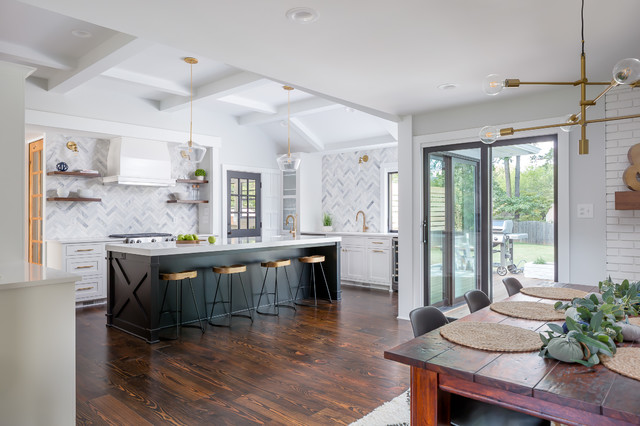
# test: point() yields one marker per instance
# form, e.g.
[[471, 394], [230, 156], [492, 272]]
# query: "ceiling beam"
[[249, 104], [298, 109], [160, 84], [107, 55], [390, 127], [218, 89], [32, 56], [306, 133]]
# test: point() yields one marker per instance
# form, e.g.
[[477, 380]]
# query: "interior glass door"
[[452, 225]]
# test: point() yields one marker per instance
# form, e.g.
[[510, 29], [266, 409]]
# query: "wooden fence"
[[539, 232]]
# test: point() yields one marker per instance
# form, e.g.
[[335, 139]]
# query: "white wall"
[[580, 243], [14, 163], [310, 219]]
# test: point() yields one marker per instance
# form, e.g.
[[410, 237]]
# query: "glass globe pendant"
[[191, 151], [288, 161]]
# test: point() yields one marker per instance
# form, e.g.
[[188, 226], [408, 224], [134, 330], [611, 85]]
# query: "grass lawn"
[[529, 253]]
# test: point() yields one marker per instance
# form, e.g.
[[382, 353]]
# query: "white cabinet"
[[366, 261], [84, 258]]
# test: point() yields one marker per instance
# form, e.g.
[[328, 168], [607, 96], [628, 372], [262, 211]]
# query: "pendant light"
[[626, 71], [191, 151], [288, 161]]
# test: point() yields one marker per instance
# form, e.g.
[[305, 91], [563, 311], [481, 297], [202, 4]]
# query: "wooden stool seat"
[[233, 269], [174, 276], [276, 263], [316, 258]]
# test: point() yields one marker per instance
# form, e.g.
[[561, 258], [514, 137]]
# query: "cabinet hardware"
[[84, 267], [377, 251], [84, 250], [377, 242], [84, 288]]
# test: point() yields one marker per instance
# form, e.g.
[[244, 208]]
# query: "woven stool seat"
[[233, 269], [276, 263], [172, 276], [316, 258]]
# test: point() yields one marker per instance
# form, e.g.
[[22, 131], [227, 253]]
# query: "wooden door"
[[36, 167]]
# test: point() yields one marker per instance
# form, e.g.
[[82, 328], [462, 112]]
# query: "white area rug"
[[394, 412]]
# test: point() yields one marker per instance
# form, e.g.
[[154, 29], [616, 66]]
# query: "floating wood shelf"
[[627, 200], [78, 174], [93, 200], [191, 181], [188, 201]]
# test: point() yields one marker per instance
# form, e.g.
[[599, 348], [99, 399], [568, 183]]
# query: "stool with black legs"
[[230, 271], [312, 260], [179, 278], [276, 305]]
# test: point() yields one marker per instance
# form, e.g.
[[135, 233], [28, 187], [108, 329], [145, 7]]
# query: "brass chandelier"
[[626, 71]]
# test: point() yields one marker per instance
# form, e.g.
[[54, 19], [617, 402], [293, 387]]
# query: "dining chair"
[[512, 285], [426, 319], [476, 300]]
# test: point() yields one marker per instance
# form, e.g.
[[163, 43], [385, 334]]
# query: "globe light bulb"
[[489, 134], [627, 71], [571, 120], [493, 84]]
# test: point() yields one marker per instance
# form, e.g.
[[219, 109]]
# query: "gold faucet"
[[364, 220], [293, 225]]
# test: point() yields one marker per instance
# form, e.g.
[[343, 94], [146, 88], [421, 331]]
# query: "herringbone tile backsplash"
[[124, 208], [347, 188]]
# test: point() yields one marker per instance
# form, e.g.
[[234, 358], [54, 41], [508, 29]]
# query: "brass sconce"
[[363, 159], [72, 146]]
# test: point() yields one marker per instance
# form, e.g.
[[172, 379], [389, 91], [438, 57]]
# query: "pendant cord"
[[582, 30], [191, 113], [289, 123]]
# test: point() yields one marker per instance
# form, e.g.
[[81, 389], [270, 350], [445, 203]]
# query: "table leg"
[[429, 405]]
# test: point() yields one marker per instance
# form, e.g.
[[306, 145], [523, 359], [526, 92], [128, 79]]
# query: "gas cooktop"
[[148, 237], [140, 235]]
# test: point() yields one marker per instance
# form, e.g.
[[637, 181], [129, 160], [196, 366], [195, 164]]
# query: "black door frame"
[[244, 232]]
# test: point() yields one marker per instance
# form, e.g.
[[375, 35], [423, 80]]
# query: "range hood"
[[138, 162]]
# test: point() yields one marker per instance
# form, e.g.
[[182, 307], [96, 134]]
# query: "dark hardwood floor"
[[314, 366]]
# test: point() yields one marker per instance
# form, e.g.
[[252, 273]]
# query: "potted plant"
[[327, 221], [200, 174]]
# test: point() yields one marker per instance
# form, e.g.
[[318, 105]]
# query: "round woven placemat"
[[491, 337], [555, 293], [625, 361], [528, 310], [634, 321]]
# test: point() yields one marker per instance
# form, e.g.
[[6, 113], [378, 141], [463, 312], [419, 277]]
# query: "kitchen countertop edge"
[[22, 274]]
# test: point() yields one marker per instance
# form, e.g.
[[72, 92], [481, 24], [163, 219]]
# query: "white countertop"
[[230, 244], [23, 274], [354, 234]]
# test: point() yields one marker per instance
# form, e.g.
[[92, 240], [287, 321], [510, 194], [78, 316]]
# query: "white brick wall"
[[623, 226]]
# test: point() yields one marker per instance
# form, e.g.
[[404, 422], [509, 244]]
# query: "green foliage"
[[327, 220], [625, 295], [539, 261], [200, 172]]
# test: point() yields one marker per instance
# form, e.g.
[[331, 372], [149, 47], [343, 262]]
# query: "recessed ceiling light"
[[349, 109], [302, 15], [81, 33], [447, 86]]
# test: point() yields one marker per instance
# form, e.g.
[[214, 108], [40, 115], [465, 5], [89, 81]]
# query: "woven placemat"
[[491, 337], [555, 293], [625, 361], [528, 310], [634, 321]]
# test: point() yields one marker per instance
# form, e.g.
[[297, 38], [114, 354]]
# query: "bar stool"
[[229, 271], [275, 264], [179, 278], [312, 260]]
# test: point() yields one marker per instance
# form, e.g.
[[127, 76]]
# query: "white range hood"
[[138, 162]]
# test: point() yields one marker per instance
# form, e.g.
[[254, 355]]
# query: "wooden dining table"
[[525, 382]]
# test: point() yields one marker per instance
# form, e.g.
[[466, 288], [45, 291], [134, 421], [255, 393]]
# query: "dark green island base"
[[135, 291]]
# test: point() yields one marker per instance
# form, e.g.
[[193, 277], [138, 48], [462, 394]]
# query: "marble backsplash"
[[124, 208]]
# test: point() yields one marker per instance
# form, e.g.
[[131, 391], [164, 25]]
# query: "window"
[[243, 201], [392, 201]]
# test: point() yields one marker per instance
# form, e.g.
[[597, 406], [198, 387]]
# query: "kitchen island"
[[135, 291]]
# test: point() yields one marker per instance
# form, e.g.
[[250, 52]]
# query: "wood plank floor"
[[313, 366]]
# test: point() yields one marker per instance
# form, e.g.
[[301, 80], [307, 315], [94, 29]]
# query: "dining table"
[[567, 393]]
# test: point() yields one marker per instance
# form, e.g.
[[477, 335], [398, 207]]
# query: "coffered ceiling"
[[358, 68]]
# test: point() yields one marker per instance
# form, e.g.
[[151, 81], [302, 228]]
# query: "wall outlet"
[[585, 211]]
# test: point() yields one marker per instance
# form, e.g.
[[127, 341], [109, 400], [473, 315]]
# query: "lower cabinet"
[[366, 262], [84, 258]]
